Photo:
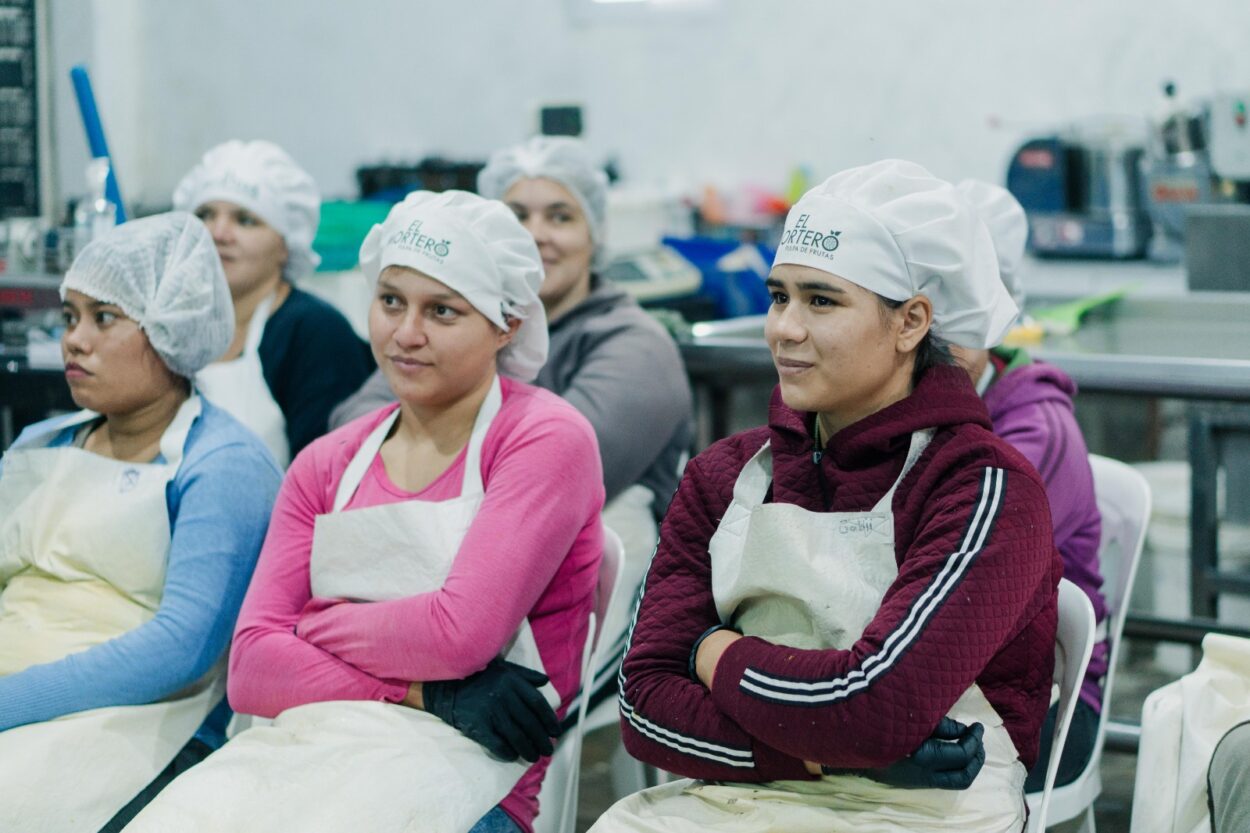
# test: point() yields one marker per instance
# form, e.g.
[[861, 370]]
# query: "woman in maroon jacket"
[[861, 596]]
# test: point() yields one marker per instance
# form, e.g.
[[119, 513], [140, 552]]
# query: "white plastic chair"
[[1074, 642], [1124, 501], [560, 785]]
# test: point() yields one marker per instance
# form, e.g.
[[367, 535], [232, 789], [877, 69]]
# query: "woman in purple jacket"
[[1030, 404], [849, 621]]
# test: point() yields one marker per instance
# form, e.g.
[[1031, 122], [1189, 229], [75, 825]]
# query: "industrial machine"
[[1083, 194], [1199, 156], [1117, 189]]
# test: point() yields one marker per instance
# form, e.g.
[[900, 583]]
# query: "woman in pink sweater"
[[429, 567]]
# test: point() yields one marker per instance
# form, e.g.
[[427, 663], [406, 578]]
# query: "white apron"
[[84, 542], [239, 388], [360, 765], [1181, 724], [814, 580]]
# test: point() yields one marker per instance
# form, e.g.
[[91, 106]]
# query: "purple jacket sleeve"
[[668, 719]]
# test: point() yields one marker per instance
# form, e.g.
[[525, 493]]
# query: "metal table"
[[1185, 347]]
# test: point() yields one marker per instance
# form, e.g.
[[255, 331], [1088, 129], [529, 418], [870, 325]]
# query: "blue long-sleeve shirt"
[[219, 503]]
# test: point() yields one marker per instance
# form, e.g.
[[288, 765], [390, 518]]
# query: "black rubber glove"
[[949, 759], [500, 707]]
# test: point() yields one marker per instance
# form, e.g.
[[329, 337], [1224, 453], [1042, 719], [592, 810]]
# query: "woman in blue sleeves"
[[128, 534]]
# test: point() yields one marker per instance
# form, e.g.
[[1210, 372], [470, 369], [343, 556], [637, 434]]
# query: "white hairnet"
[[478, 248], [1009, 229], [165, 274], [262, 178], [894, 229], [560, 159]]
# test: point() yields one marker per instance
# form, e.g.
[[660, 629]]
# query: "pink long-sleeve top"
[[532, 550]]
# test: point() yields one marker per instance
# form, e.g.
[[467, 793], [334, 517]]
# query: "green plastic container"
[[343, 228]]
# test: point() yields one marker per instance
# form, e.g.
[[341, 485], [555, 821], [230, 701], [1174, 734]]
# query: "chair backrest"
[[610, 591], [560, 785], [1074, 641], [1124, 502]]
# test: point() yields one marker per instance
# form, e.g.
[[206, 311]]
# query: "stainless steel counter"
[[1184, 345]]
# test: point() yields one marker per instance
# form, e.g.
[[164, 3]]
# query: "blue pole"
[[95, 133]]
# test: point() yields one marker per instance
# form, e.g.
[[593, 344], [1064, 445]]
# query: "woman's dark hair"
[[932, 350]]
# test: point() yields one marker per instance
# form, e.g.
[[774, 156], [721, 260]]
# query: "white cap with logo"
[[895, 229], [478, 248], [1009, 229]]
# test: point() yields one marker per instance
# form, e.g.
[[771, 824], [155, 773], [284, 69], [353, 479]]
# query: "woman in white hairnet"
[[849, 622], [128, 533], [608, 357], [1030, 405], [430, 567], [293, 356]]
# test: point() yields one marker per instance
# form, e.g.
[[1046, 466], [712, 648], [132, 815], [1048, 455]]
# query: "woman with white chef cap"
[[1030, 405], [293, 356], [861, 596], [430, 565], [128, 533], [608, 357]]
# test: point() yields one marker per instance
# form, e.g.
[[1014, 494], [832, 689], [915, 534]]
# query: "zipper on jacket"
[[818, 454]]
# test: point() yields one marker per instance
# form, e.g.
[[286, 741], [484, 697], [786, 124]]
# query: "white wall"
[[740, 94]]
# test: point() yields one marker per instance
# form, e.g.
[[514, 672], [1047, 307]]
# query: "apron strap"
[[42, 439], [355, 471], [174, 440], [756, 476], [472, 484], [919, 442], [354, 474], [256, 326]]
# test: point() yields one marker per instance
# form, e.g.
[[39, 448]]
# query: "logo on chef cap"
[[413, 239], [810, 240], [229, 181]]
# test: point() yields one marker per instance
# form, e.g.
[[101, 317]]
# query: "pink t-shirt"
[[532, 550]]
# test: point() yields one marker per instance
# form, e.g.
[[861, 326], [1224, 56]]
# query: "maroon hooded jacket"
[[974, 601]]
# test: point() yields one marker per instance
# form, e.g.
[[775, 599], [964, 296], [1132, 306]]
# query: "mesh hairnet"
[[163, 272], [560, 159], [262, 178]]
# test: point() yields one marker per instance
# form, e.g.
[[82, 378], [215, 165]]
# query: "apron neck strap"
[[256, 325], [919, 442], [756, 476], [173, 440], [472, 483]]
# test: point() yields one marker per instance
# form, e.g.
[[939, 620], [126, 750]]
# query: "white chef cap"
[[1009, 229], [895, 229], [165, 274], [262, 178], [478, 248], [560, 159]]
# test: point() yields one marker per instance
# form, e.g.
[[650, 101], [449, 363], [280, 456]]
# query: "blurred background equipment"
[[1082, 192], [1168, 188]]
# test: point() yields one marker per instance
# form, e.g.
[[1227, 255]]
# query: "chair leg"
[[1087, 823]]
